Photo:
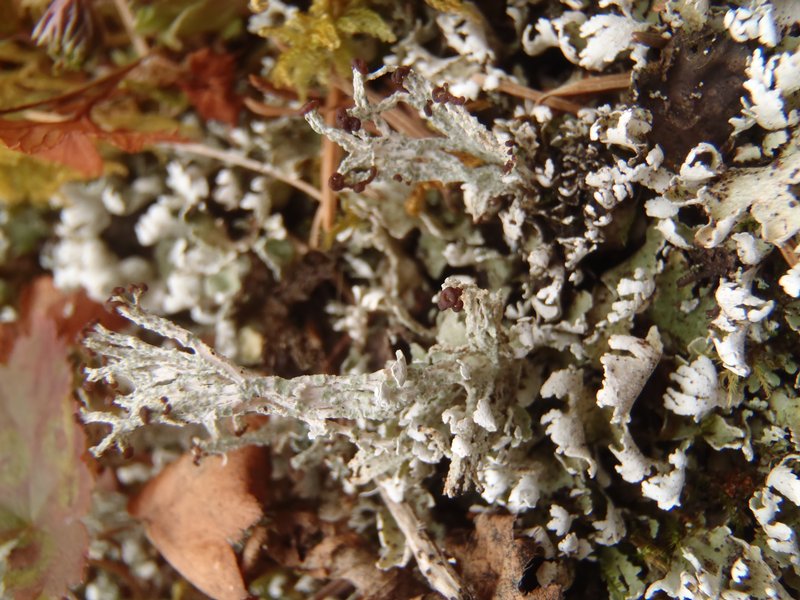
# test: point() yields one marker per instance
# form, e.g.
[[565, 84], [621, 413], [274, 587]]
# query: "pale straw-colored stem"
[[433, 564], [230, 157], [129, 23]]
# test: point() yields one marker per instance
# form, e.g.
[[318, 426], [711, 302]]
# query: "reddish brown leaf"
[[193, 513], [44, 484], [67, 143], [72, 142], [209, 86], [70, 312]]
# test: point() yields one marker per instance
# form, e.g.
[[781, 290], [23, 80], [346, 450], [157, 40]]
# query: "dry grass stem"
[[129, 23], [521, 91], [330, 160], [590, 85], [232, 158], [433, 564]]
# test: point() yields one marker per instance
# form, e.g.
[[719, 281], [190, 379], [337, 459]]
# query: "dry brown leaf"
[[298, 539], [209, 86], [193, 513], [72, 142], [493, 561]]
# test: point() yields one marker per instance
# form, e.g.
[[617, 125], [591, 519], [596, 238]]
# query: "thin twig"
[[315, 232], [590, 85], [521, 91], [329, 160], [267, 110], [433, 565], [270, 110], [233, 158], [129, 23]]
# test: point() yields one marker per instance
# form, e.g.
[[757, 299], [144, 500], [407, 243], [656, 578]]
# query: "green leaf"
[[175, 21]]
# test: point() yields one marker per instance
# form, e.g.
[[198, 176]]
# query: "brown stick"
[[590, 85], [432, 563], [129, 23], [520, 91], [399, 118], [330, 156]]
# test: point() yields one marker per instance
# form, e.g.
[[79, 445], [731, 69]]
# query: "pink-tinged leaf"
[[44, 484]]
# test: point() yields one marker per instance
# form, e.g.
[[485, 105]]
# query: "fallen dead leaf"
[[72, 142], [209, 86], [298, 539], [492, 562], [45, 485], [194, 513]]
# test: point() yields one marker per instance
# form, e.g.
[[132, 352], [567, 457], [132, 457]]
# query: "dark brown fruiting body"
[[346, 122], [441, 95], [336, 182], [398, 77], [309, 106], [450, 297]]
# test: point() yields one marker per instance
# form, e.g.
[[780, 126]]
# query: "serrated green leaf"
[[320, 42]]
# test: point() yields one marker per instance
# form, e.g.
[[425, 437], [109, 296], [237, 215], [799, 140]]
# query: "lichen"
[[568, 306]]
